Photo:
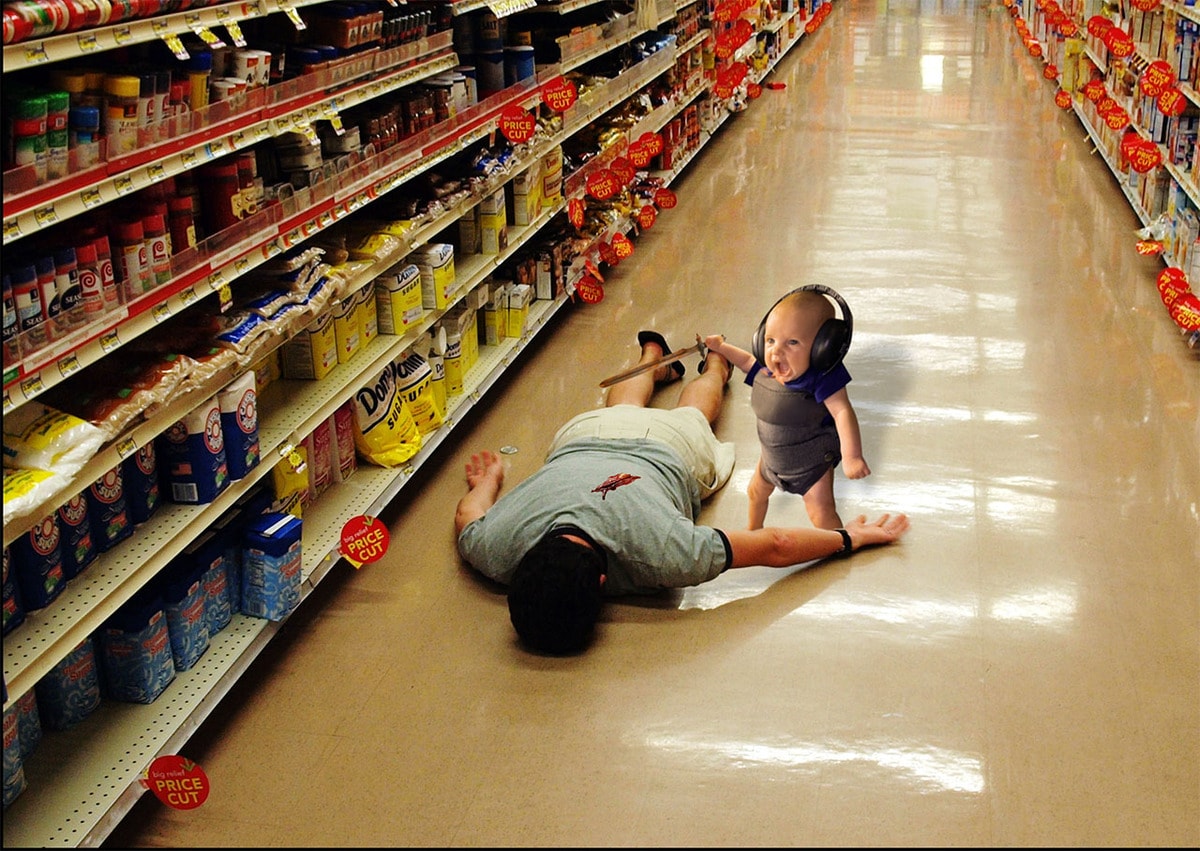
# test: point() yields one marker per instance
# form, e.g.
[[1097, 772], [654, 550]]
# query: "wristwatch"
[[847, 545]]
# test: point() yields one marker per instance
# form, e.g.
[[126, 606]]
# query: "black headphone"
[[832, 340]]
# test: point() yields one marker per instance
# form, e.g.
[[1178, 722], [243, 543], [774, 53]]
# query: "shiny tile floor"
[[1024, 669]]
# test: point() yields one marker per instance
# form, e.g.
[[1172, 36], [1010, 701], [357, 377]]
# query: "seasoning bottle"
[[108, 277], [181, 223], [158, 242], [147, 106], [58, 107], [30, 316], [121, 113], [130, 259], [66, 282], [10, 312], [48, 294], [91, 289], [219, 185], [199, 71], [30, 145], [83, 133]]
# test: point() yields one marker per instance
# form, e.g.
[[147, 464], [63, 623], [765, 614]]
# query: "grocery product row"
[[1128, 71]]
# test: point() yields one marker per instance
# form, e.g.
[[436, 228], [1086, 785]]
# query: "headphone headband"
[[832, 340]]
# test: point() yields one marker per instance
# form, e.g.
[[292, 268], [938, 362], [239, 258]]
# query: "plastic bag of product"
[[385, 433], [38, 437], [416, 385], [27, 491]]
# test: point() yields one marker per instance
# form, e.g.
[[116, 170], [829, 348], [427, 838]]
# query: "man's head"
[[555, 594]]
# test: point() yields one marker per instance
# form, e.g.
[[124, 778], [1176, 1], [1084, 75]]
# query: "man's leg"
[[706, 392], [639, 389]]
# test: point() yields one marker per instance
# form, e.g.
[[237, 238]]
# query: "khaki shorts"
[[683, 429]]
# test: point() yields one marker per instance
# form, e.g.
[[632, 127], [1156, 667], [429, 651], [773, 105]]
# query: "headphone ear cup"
[[830, 345], [758, 343]]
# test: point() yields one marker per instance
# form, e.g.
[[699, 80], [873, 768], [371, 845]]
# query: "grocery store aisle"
[[1021, 670]]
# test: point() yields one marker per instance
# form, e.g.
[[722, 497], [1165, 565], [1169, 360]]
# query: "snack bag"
[[385, 433]]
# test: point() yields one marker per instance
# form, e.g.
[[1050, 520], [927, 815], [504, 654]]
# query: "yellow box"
[[438, 279], [468, 232], [398, 299], [519, 297], [493, 204], [311, 354], [368, 314], [347, 331], [493, 232], [453, 364]]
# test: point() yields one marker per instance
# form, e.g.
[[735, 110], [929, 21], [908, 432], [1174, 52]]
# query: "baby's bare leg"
[[759, 492], [822, 509]]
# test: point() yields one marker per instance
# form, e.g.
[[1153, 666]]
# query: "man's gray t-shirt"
[[633, 497]]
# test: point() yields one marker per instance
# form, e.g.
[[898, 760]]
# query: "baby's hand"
[[713, 342], [855, 468]]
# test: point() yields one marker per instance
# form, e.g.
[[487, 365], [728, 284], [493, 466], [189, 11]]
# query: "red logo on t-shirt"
[[613, 482]]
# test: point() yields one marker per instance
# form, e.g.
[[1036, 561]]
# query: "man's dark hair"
[[554, 597]]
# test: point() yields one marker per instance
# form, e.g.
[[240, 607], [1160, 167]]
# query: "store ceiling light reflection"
[[927, 767]]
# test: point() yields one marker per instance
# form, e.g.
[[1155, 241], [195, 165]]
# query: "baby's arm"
[[853, 463], [740, 358]]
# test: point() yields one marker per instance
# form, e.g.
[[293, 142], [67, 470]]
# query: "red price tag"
[[646, 217], [177, 782], [1172, 102], [590, 290], [622, 246], [364, 540], [1050, 72], [1063, 99], [624, 170], [517, 124], [653, 143], [1097, 25], [665, 199], [575, 209], [1186, 312], [559, 94], [640, 155], [1145, 156], [608, 254], [1118, 42], [602, 184]]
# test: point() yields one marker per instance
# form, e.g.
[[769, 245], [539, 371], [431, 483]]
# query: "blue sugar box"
[[14, 763], [271, 576], [70, 691], [37, 560], [185, 604], [208, 554], [136, 661], [75, 526], [142, 493], [107, 512]]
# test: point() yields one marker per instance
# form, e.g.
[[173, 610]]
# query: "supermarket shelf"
[[71, 807], [72, 45], [43, 207]]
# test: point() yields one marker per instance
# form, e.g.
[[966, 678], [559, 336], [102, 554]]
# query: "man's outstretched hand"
[[483, 466], [885, 530], [485, 477]]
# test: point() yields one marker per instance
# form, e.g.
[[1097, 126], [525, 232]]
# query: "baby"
[[806, 424]]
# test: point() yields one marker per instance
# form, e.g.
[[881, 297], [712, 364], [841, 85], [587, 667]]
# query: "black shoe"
[[645, 337]]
